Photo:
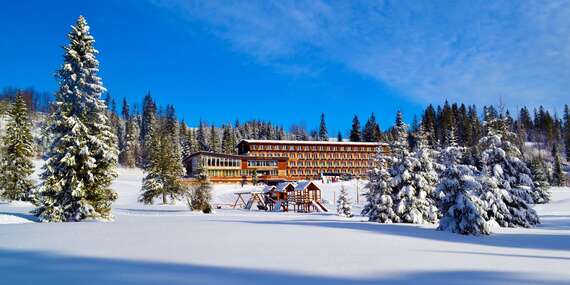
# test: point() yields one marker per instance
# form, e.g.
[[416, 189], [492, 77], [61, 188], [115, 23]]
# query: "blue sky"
[[288, 61]]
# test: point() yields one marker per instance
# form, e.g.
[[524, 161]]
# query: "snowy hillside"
[[169, 245]]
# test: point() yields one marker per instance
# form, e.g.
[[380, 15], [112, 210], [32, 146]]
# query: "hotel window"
[[300, 155], [291, 147], [293, 172], [292, 163], [300, 163]]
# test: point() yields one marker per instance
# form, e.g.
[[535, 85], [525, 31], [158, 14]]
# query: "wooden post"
[[357, 194]]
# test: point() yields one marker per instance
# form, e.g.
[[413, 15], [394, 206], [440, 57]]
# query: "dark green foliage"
[[372, 131], [201, 196], [17, 152], [323, 133], [355, 135], [164, 168]]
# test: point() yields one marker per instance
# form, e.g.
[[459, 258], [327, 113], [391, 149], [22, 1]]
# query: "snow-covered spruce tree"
[[201, 195], [502, 159], [379, 203], [541, 185], [429, 167], [201, 137], [228, 140], [507, 186], [193, 145], [343, 207], [82, 160], [163, 167], [17, 151], [412, 181], [214, 141], [462, 211]]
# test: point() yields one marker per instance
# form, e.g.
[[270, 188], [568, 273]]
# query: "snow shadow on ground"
[[32, 267], [555, 222], [29, 217], [534, 240], [136, 210], [561, 258]]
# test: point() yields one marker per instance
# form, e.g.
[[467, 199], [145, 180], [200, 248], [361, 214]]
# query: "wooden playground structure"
[[302, 196]]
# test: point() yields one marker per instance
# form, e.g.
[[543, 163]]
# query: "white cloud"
[[470, 51]]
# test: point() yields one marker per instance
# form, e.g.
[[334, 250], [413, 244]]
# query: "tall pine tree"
[[323, 133], [82, 160], [164, 165], [355, 135], [17, 152]]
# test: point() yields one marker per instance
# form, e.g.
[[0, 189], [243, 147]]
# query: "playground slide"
[[277, 207], [320, 207]]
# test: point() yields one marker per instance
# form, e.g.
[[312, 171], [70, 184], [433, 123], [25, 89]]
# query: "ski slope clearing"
[[167, 244]]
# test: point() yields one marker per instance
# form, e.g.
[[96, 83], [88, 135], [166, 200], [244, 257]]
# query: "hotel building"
[[274, 160]]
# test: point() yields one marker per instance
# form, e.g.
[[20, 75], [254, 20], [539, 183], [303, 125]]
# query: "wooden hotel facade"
[[274, 160]]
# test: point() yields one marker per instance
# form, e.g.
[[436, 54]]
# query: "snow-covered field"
[[169, 245]]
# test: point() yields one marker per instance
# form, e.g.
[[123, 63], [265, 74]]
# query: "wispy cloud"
[[471, 51]]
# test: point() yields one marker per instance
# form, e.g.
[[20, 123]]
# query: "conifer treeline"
[[133, 127], [540, 126], [548, 133]]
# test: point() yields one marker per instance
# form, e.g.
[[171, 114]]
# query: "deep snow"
[[167, 244]]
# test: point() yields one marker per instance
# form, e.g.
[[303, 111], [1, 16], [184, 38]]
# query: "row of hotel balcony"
[[315, 155], [318, 172]]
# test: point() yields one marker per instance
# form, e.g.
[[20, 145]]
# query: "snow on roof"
[[268, 188], [281, 187], [314, 142], [302, 185]]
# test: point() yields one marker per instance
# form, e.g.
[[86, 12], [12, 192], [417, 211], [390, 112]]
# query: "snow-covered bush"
[[343, 207], [201, 196]]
